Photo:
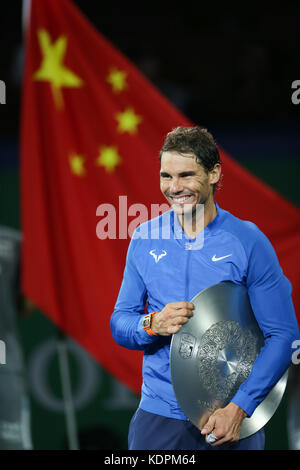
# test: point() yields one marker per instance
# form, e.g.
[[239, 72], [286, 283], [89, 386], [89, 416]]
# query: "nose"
[[176, 186]]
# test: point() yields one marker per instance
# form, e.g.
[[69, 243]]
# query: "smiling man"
[[206, 245], [187, 184]]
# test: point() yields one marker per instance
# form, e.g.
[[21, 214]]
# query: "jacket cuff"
[[245, 402]]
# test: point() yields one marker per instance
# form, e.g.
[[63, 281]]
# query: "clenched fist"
[[172, 317]]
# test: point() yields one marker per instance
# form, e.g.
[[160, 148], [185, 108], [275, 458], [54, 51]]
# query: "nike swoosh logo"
[[221, 257]]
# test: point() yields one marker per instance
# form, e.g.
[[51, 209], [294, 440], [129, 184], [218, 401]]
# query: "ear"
[[215, 174]]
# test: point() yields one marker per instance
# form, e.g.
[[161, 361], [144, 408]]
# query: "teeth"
[[180, 199]]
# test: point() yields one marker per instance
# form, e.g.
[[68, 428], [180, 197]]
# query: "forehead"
[[174, 162]]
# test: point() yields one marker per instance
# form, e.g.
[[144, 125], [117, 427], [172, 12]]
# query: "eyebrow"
[[183, 173]]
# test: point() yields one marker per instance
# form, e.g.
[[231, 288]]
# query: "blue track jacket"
[[163, 266]]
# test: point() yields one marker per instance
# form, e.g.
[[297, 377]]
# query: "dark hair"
[[196, 140]]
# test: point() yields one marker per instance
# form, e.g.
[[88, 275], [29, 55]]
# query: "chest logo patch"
[[157, 257]]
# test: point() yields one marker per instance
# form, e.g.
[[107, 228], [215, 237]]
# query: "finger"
[[220, 437], [210, 438], [180, 320], [184, 312], [209, 426], [172, 329], [183, 304]]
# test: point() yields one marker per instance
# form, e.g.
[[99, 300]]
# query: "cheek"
[[203, 181], [201, 189], [163, 186], [198, 185]]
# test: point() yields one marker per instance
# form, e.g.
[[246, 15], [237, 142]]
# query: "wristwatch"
[[147, 324]]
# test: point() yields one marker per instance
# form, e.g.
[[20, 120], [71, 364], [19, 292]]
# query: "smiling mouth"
[[181, 199]]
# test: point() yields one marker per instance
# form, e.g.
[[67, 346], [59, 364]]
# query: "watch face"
[[146, 322]]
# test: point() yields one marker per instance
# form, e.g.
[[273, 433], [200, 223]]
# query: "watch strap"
[[147, 324]]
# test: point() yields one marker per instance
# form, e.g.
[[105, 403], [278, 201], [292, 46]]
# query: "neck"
[[195, 222]]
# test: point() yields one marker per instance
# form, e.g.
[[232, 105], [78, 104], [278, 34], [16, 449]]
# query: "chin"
[[181, 210]]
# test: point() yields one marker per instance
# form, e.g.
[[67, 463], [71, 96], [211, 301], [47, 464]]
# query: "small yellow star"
[[117, 79], [109, 158], [77, 164], [128, 121], [52, 69]]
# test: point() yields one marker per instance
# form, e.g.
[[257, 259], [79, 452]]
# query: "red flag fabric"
[[92, 127]]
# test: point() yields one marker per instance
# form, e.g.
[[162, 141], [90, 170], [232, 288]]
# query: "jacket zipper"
[[188, 249]]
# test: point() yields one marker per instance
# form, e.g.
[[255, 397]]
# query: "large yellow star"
[[128, 121], [108, 157], [117, 79], [52, 68], [77, 164]]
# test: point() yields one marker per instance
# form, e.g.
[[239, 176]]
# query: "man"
[[164, 272]]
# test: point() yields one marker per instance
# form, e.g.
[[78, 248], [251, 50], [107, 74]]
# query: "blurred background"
[[229, 68]]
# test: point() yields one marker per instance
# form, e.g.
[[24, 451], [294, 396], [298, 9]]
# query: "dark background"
[[221, 63], [227, 66]]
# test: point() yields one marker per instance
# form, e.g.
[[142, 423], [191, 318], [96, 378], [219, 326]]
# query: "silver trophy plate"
[[213, 353]]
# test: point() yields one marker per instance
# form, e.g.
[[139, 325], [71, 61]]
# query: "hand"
[[172, 317], [225, 423]]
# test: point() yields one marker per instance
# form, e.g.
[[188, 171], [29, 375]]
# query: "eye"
[[165, 176], [188, 175]]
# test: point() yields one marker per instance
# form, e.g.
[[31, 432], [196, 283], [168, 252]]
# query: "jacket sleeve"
[[270, 296], [126, 320]]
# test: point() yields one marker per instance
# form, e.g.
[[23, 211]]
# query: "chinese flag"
[[92, 128]]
